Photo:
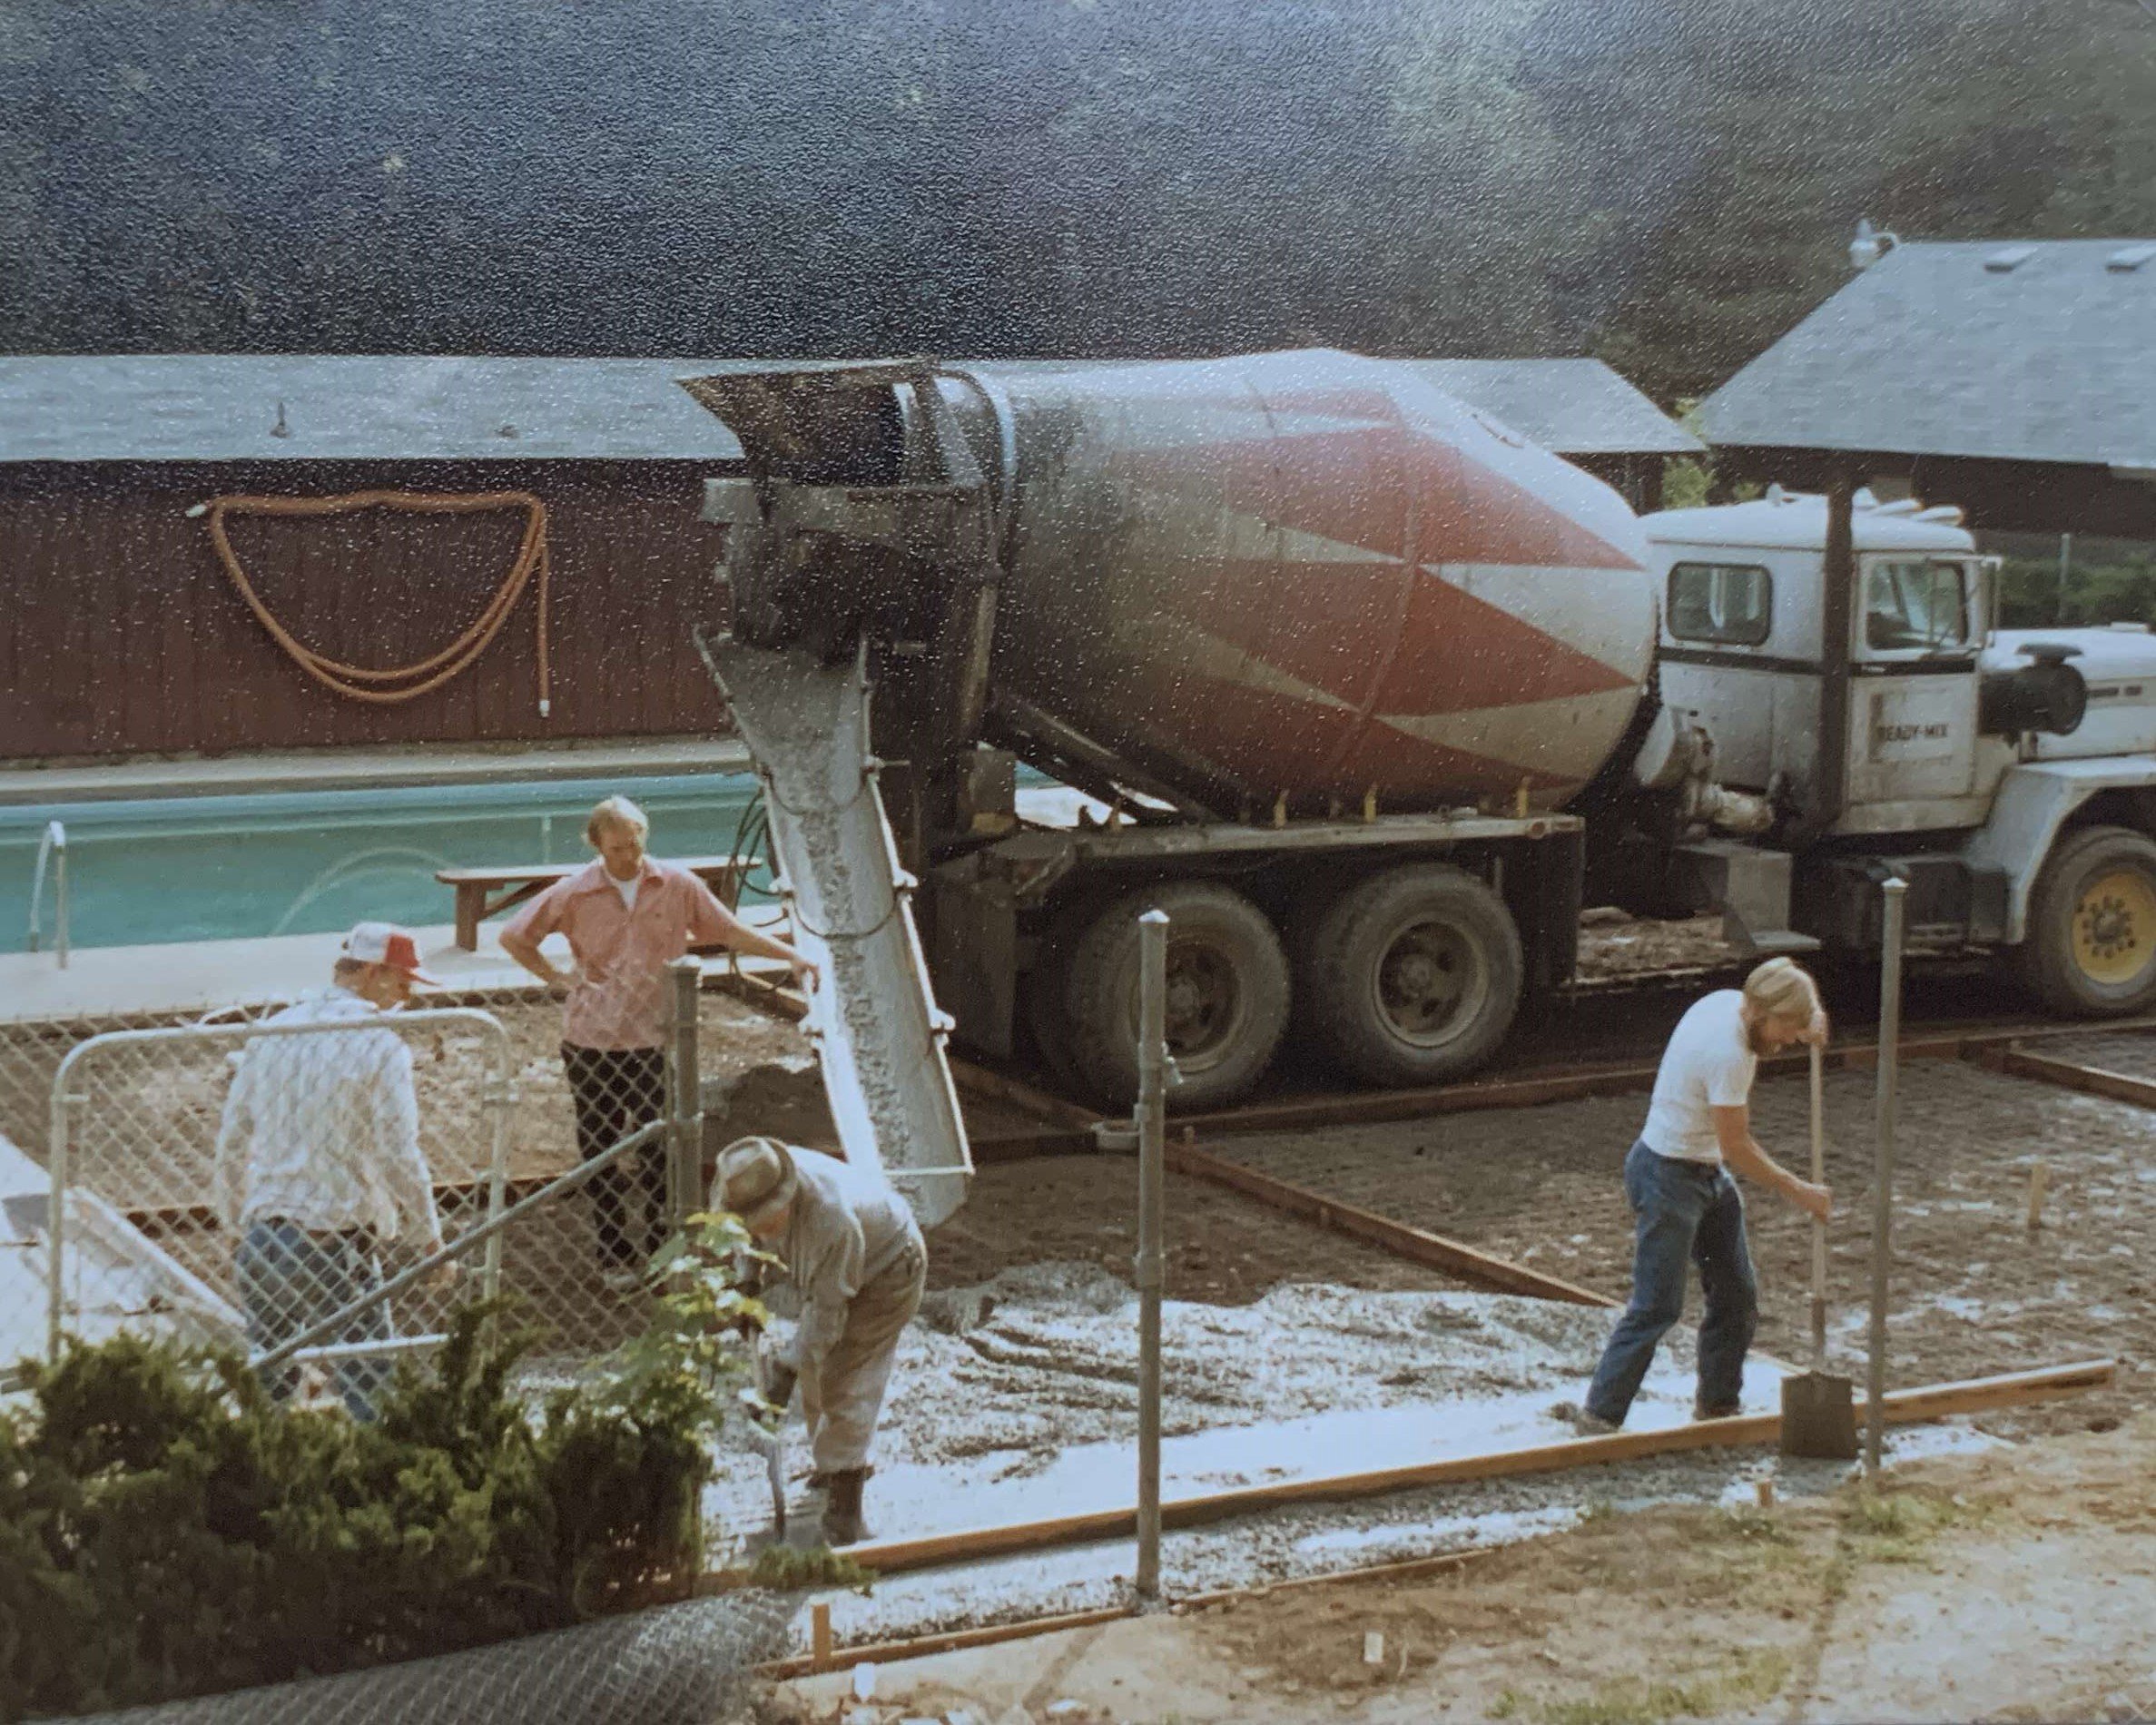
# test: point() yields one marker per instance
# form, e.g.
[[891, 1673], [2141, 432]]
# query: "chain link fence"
[[686, 1664], [249, 1178], [552, 1180], [502, 1108]]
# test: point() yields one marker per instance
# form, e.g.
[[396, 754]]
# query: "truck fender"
[[2034, 801]]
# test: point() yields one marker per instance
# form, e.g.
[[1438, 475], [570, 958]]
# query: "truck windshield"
[[1915, 604]]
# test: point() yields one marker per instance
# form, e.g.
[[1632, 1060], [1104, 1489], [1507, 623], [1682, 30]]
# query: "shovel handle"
[[1818, 1226]]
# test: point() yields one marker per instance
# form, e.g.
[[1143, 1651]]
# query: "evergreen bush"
[[166, 1530]]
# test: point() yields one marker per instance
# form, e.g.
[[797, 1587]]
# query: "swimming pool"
[[220, 868]]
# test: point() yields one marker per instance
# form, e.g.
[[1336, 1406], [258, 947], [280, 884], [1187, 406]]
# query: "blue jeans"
[[291, 1278], [1681, 1211]]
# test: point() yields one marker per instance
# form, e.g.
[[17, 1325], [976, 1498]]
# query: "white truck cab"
[[2009, 776]]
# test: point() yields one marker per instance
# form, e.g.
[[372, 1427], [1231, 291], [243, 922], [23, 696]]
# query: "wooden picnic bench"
[[485, 892]]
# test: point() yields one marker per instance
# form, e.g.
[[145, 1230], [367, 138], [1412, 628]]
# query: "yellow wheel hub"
[[2114, 927]]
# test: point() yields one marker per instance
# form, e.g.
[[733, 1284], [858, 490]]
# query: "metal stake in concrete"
[[1893, 893], [1152, 1159], [684, 1181]]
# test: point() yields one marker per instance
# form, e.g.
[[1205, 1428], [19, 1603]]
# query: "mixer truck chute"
[[1365, 689]]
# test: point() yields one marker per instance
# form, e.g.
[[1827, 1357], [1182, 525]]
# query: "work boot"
[[843, 1524], [1718, 1411], [1585, 1424]]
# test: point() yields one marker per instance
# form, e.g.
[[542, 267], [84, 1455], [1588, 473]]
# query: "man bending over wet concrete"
[[852, 1248], [1686, 1208]]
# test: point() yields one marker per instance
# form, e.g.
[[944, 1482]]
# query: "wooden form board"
[[1938, 1401], [1413, 1244], [2090, 1081]]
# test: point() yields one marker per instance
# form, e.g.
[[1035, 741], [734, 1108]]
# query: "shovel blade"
[[1819, 1417]]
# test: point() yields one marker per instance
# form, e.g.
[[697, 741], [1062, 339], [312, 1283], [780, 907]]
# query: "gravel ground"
[[1975, 1290], [1321, 1539], [2132, 1053]]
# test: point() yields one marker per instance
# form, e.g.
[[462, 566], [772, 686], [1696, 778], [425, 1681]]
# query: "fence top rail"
[[468, 1017]]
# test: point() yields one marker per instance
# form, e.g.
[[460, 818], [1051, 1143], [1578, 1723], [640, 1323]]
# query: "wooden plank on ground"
[[999, 1087], [1399, 1239], [1937, 1401], [2089, 1080]]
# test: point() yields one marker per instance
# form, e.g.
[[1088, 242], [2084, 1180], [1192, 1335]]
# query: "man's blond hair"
[[616, 811], [1781, 989]]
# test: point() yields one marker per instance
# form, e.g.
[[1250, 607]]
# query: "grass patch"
[[1754, 1677], [785, 1568], [1900, 1527], [1743, 1525]]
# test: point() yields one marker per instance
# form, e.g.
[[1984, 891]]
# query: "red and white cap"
[[386, 944]]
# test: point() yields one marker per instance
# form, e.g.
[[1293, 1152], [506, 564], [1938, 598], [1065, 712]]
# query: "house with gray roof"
[[2015, 379], [1579, 408]]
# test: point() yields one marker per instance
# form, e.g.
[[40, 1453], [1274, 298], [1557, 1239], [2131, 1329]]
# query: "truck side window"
[[1727, 603], [1915, 604]]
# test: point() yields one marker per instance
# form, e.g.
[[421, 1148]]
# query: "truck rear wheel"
[[1046, 1017], [1412, 976], [2089, 951], [1227, 995]]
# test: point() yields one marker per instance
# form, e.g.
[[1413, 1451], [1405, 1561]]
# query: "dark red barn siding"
[[122, 634]]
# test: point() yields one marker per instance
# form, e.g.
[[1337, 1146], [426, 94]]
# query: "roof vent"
[[2128, 258], [2008, 258]]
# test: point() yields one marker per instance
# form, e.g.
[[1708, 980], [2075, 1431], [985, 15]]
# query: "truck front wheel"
[[1412, 976], [1227, 995], [2089, 951]]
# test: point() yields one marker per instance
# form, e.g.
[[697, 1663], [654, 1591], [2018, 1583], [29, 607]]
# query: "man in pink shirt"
[[625, 918]]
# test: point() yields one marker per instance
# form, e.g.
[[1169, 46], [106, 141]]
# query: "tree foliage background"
[[1668, 183]]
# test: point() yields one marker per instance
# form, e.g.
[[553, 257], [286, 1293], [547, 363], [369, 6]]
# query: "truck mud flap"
[[877, 1033]]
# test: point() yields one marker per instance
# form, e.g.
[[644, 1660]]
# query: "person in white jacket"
[[317, 1162], [852, 1248]]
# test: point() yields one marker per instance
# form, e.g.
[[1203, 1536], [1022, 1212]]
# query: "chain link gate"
[[153, 1135], [142, 1234]]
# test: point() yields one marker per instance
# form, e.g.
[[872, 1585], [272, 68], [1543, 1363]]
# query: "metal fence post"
[[1152, 1108], [1893, 893], [686, 1097], [501, 1099], [55, 1224]]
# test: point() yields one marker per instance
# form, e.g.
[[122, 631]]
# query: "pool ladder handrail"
[[52, 848]]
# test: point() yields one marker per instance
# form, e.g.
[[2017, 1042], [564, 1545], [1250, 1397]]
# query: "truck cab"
[[1744, 645], [2006, 776]]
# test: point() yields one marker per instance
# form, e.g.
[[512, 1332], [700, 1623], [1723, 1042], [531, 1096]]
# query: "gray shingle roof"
[[2040, 351], [348, 407], [224, 408], [1569, 406]]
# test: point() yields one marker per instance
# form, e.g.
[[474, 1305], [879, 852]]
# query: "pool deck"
[[119, 983], [365, 769]]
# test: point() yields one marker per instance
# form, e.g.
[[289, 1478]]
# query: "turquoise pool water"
[[218, 868]]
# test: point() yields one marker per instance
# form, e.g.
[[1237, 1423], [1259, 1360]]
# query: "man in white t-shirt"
[[1686, 1208]]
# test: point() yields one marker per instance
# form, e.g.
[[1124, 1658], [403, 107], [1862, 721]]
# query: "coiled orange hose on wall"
[[407, 682]]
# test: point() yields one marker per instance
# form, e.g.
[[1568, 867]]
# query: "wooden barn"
[[128, 630], [417, 610]]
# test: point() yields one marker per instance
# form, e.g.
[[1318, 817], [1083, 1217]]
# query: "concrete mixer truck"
[[1371, 695]]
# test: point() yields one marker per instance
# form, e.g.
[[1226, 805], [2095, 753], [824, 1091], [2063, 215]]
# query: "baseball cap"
[[385, 944]]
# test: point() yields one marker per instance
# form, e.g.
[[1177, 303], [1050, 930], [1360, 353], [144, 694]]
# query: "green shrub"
[[166, 1530]]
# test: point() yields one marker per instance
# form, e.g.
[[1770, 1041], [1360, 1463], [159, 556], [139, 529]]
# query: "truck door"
[[1913, 692]]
